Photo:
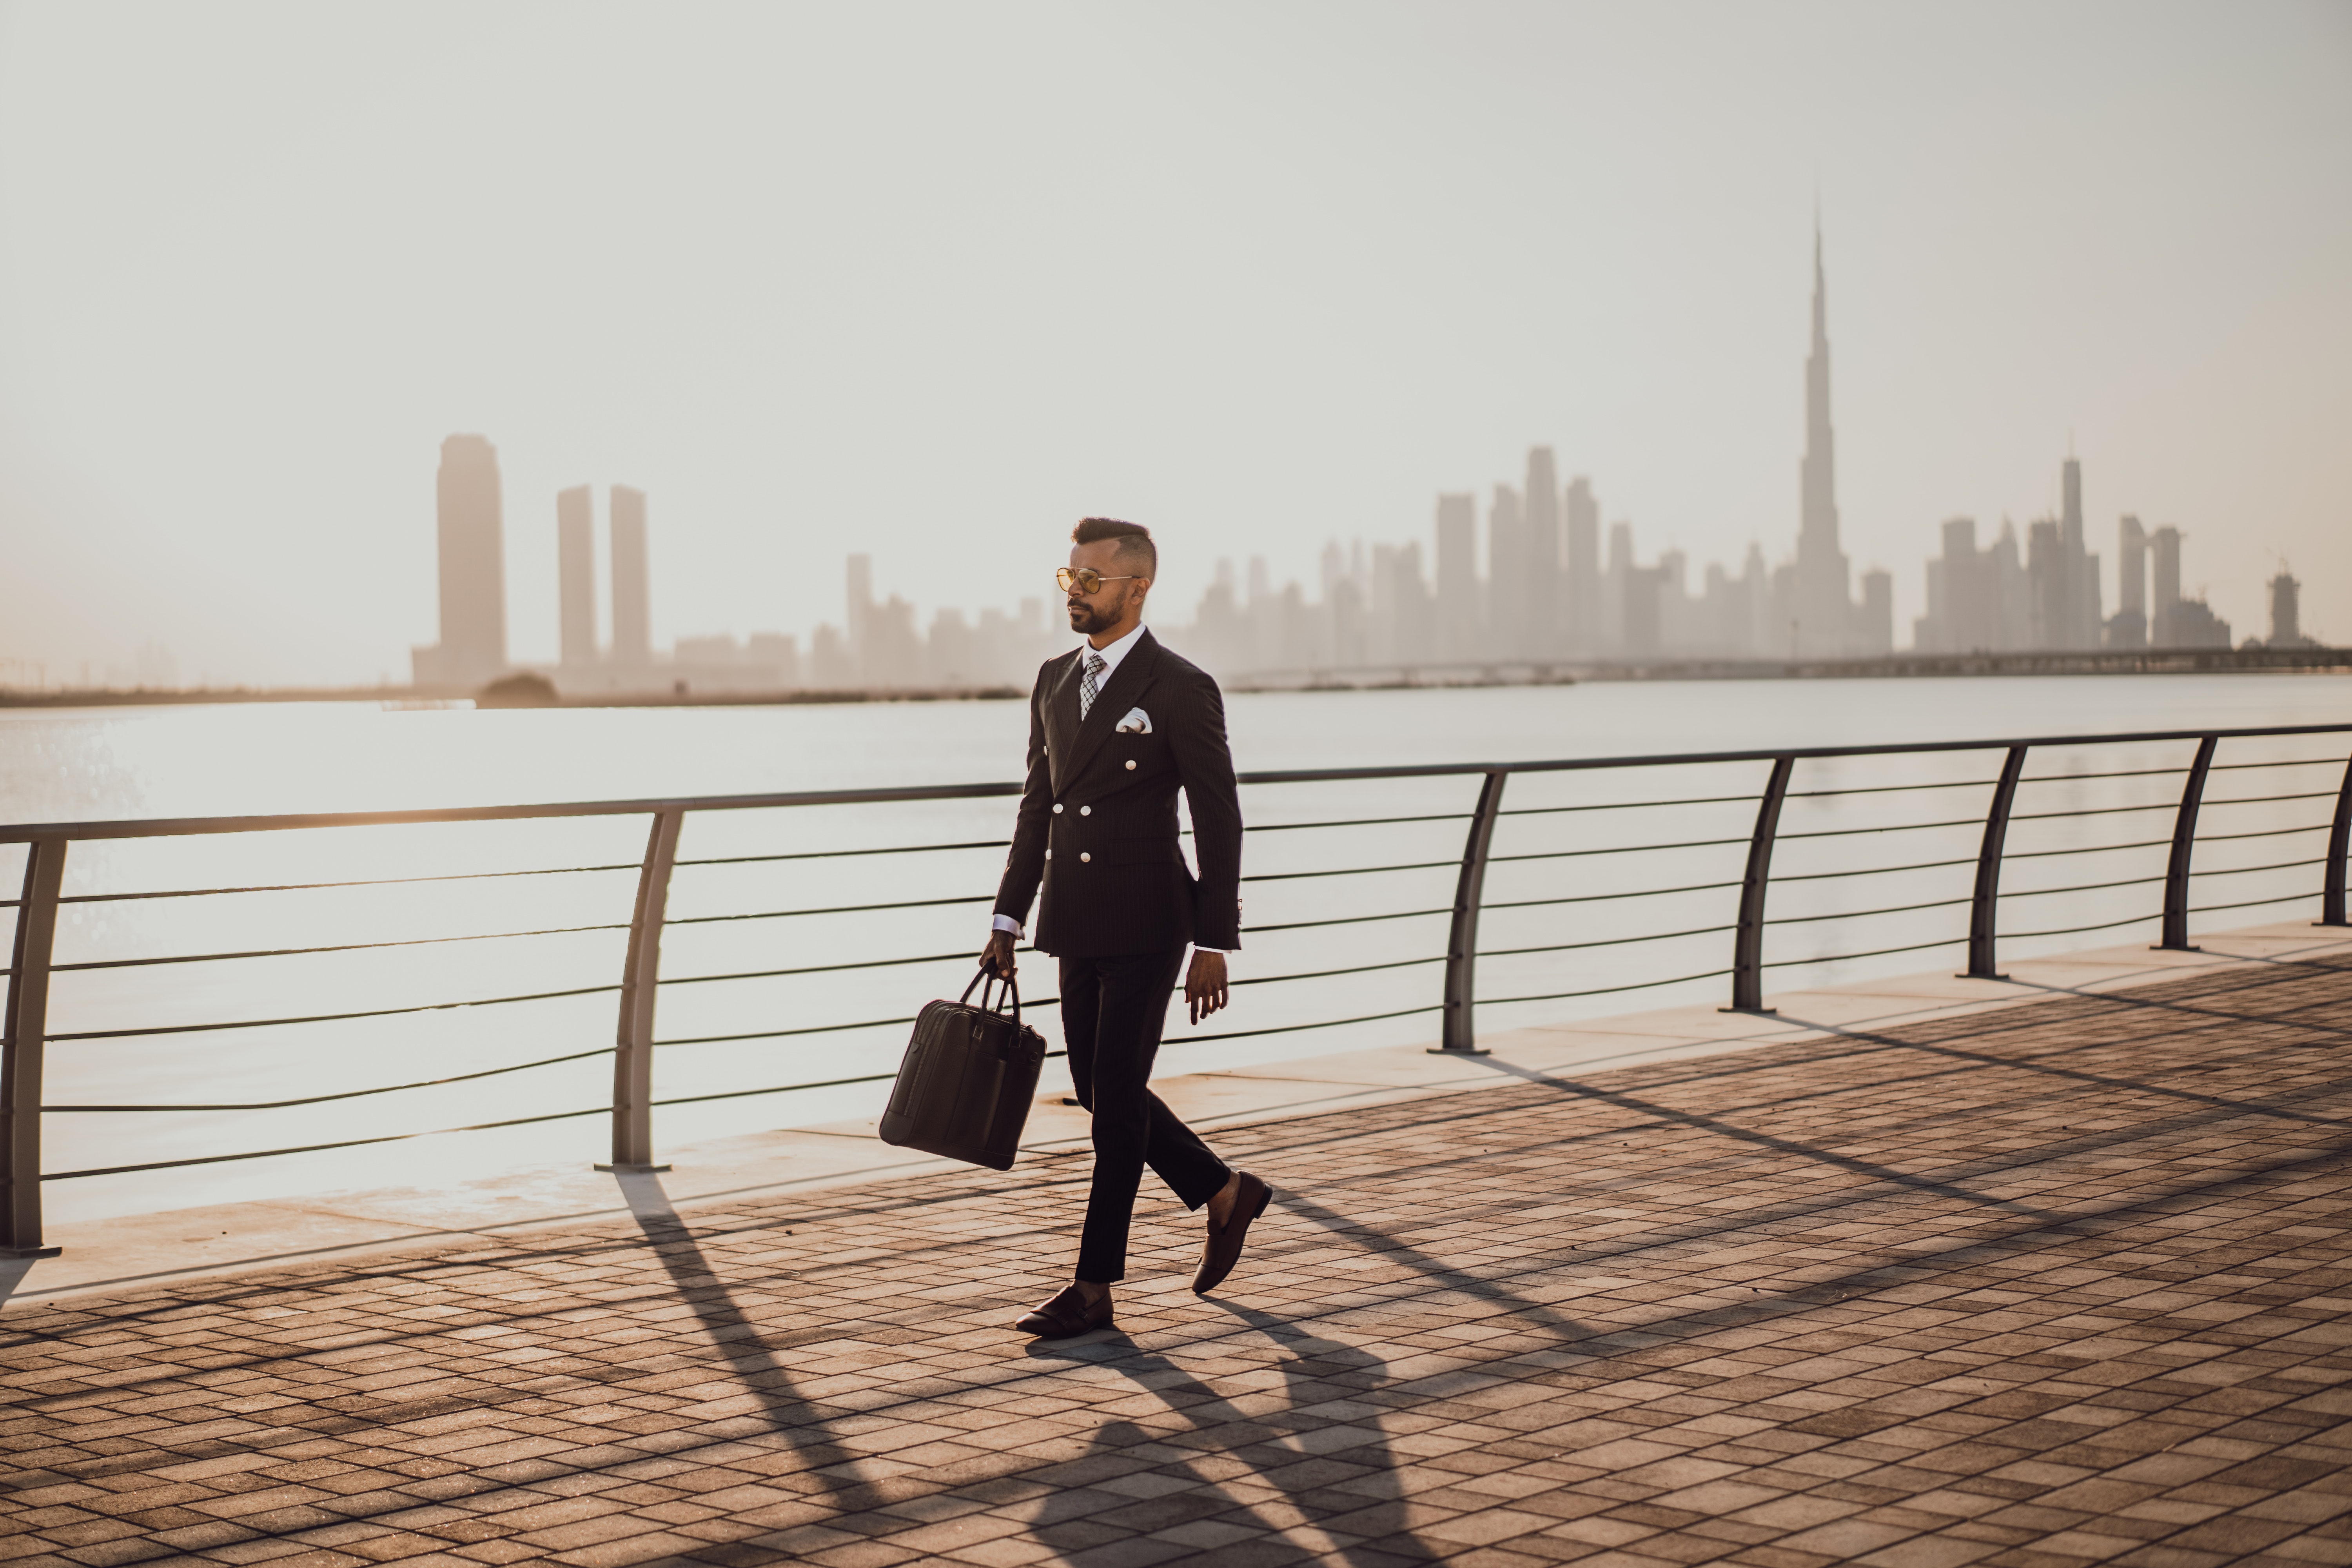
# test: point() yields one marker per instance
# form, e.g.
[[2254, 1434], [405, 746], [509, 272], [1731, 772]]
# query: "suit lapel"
[[1062, 722], [1111, 703]]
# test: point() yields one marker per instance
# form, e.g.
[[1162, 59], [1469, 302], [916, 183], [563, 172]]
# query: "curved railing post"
[[1982, 912], [633, 1058], [21, 1049], [1747, 941], [2339, 842], [2184, 844], [1462, 941]]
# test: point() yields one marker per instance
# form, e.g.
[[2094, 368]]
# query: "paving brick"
[[2062, 1284]]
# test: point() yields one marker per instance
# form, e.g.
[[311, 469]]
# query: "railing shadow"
[[736, 1336], [1952, 1185], [2019, 1223], [1427, 1264]]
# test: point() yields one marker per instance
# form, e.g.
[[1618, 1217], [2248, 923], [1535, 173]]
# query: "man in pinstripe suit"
[[1117, 726]]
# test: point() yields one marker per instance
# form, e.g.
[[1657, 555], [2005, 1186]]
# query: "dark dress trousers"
[[1097, 829]]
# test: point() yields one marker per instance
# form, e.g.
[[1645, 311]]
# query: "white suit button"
[[1084, 856], [1049, 854], [1085, 810], [1130, 764], [1057, 808]]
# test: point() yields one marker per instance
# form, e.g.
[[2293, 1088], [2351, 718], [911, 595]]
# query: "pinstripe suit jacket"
[[1097, 823]]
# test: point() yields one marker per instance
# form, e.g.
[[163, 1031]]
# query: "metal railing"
[[28, 1031]]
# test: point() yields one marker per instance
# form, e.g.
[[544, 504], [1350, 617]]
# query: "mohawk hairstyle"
[[1135, 547]]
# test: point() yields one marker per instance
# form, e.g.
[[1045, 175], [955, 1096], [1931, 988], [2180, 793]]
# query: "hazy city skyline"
[[1534, 589], [1304, 271]]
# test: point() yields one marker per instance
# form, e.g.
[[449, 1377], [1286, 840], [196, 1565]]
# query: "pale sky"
[[933, 281]]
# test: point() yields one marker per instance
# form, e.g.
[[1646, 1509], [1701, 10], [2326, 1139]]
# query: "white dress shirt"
[[1110, 654]]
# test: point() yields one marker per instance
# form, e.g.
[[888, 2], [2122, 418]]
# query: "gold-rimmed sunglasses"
[[1087, 580]]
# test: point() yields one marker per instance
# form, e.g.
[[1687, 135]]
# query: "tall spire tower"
[[1824, 608]]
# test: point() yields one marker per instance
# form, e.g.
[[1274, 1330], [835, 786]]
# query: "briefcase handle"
[[1012, 989]]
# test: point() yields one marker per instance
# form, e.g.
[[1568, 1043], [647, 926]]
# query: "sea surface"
[[1611, 890]]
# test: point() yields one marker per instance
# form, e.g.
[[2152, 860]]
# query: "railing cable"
[[2247, 904], [1346, 921], [837, 910], [1628, 804], [1868, 871], [1298, 1029], [1866, 914], [2082, 887], [2118, 774], [844, 854], [321, 1148], [2093, 811], [2271, 799], [314, 886], [1960, 941], [1328, 974], [1891, 828], [2078, 930], [333, 1018], [1620, 850], [1604, 941], [2265, 833], [1885, 789], [1355, 822], [1353, 871], [2088, 849], [2251, 870], [1606, 897], [338, 947], [348, 1094], [964, 954], [1604, 990]]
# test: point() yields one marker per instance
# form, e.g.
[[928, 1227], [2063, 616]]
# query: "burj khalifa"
[[1825, 606]]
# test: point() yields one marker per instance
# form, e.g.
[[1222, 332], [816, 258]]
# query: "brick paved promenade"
[[2062, 1284]]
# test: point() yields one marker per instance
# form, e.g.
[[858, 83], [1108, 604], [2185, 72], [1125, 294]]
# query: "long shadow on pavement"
[[734, 1334], [1337, 1476]]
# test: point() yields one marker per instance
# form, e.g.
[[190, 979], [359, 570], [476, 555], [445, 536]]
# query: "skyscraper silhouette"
[[2286, 613], [633, 637], [1458, 606], [1583, 567], [2129, 628], [1822, 608], [575, 576], [473, 577], [2164, 601], [1544, 609], [2073, 631], [859, 608], [1506, 575]]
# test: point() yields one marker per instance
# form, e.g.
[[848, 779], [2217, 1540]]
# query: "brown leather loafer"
[[1067, 1315], [1224, 1247]]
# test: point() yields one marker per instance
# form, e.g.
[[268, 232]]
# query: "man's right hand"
[[997, 956]]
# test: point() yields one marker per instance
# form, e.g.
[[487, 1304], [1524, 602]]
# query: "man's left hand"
[[1204, 984]]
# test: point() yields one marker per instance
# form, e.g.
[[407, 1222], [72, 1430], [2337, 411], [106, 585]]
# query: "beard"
[[1085, 620]]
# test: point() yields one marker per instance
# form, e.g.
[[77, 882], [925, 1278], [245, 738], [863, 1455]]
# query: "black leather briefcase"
[[969, 1075]]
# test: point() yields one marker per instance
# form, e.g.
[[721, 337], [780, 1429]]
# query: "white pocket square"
[[1136, 723]]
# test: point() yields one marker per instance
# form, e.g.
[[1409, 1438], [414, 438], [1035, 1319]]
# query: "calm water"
[[96, 765]]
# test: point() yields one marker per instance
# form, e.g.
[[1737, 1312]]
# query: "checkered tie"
[[1091, 684]]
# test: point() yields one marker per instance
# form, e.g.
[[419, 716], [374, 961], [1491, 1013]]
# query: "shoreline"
[[1360, 678]]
